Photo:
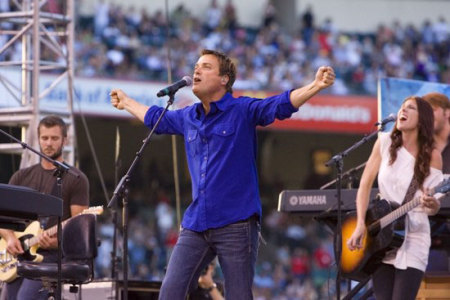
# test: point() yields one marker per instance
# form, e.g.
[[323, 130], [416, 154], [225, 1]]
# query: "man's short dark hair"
[[226, 67], [51, 121]]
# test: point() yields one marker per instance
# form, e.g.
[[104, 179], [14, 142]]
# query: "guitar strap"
[[413, 185]]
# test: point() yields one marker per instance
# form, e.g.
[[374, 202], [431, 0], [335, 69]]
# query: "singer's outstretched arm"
[[324, 78], [120, 100]]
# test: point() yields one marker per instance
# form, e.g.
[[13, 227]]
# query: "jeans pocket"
[[254, 235]]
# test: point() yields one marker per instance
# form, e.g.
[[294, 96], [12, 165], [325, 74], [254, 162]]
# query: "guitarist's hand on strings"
[[429, 203], [48, 242], [355, 242], [13, 246]]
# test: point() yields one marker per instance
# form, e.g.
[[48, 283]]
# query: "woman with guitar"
[[406, 162]]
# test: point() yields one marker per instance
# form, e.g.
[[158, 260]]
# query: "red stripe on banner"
[[327, 113]]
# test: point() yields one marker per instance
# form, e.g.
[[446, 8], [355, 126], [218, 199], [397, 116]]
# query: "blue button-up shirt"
[[221, 155]]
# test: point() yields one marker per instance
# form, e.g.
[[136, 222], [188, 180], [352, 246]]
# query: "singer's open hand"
[[324, 77], [118, 98]]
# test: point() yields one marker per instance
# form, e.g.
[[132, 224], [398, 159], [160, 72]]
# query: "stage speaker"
[[110, 290]]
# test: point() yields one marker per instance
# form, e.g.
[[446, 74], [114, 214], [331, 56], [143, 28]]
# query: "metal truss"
[[36, 39]]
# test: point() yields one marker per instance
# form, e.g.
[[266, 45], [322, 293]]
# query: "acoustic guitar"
[[30, 245], [381, 236]]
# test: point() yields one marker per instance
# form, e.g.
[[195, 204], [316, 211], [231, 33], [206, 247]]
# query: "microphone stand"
[[123, 191], [60, 170], [338, 161], [348, 174], [114, 258]]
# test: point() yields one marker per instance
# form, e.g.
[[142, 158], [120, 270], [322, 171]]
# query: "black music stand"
[[60, 171], [123, 191]]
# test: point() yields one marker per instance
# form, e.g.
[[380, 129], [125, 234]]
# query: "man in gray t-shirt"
[[52, 133]]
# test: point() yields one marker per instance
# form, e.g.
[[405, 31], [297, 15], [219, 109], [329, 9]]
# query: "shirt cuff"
[[148, 116], [286, 103], [288, 100]]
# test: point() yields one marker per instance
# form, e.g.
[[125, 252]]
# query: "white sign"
[[91, 95]]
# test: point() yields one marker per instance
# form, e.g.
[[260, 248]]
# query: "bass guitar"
[[381, 235], [30, 245]]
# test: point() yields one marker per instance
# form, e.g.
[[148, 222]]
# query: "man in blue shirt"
[[220, 141]]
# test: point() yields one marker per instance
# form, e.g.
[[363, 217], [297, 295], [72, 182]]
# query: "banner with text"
[[91, 96]]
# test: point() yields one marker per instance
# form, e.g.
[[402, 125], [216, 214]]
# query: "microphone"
[[172, 89], [388, 119]]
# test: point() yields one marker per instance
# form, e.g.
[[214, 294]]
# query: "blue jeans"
[[235, 245], [23, 288]]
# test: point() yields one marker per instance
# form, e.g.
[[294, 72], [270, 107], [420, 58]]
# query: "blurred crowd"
[[131, 44], [115, 41]]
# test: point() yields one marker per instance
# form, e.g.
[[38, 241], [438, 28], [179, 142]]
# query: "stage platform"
[[434, 286], [109, 290]]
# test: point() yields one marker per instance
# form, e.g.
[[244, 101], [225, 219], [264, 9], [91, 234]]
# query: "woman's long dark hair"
[[425, 140]]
